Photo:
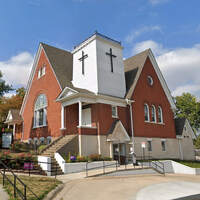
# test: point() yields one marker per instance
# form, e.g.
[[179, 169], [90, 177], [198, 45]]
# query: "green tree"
[[4, 88], [197, 142], [188, 107]]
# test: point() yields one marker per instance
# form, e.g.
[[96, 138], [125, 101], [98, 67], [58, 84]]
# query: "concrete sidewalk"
[[3, 194], [125, 187]]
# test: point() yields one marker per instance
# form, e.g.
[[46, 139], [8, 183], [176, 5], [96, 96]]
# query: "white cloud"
[[180, 66], [155, 2], [155, 47], [136, 33], [16, 70]]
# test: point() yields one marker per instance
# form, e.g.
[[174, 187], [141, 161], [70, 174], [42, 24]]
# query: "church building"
[[113, 106]]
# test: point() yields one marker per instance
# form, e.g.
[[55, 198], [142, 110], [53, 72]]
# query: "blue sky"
[[170, 27]]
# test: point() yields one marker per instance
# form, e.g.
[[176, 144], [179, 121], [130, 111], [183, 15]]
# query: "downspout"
[[129, 102]]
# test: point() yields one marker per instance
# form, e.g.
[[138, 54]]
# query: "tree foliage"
[[197, 142], [13, 102], [189, 107], [4, 88]]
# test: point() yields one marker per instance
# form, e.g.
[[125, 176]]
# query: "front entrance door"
[[119, 152]]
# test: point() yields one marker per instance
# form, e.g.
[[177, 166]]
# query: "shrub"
[[107, 158], [95, 157], [5, 155], [82, 159]]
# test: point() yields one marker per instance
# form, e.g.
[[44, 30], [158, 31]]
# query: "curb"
[[54, 192]]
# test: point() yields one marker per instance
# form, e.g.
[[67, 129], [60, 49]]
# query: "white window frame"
[[160, 112], [148, 116], [153, 113], [150, 80], [41, 71], [40, 105], [115, 115]]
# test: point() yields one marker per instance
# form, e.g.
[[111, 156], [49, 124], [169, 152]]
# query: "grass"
[[41, 186], [193, 164]]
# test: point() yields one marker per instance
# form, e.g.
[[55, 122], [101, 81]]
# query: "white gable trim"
[[35, 63], [126, 136], [160, 77], [9, 115], [162, 80], [60, 98], [191, 132]]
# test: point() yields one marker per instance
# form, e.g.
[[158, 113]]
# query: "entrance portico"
[[119, 139]]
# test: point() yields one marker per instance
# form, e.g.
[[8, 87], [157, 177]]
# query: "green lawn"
[[41, 186], [193, 164]]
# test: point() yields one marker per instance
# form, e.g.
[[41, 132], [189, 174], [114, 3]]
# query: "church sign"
[[6, 140]]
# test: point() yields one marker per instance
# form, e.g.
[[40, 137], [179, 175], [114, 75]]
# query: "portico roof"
[[118, 133], [13, 117]]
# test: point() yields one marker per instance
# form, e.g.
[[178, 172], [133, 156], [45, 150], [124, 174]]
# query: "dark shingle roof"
[[61, 62], [15, 116], [130, 78], [179, 125], [133, 67], [113, 126]]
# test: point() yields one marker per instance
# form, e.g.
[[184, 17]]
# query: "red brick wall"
[[155, 95], [71, 119], [49, 86], [102, 117]]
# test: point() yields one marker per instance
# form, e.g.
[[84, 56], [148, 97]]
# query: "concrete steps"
[[53, 148], [57, 145]]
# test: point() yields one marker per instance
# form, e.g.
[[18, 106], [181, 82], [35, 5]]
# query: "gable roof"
[[133, 67], [117, 132], [61, 62], [179, 125], [15, 116]]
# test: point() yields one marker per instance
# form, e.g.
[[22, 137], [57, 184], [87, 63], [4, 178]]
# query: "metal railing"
[[147, 161], [103, 166], [31, 167], [159, 166], [22, 194]]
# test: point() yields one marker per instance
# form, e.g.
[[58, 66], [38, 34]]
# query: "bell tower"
[[98, 66]]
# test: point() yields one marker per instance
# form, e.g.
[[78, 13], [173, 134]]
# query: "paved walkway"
[[130, 187], [171, 190], [3, 194]]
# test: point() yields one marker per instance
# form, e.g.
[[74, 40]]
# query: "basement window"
[[149, 145], [163, 144]]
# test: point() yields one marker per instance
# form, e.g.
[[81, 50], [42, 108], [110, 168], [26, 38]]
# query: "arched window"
[[146, 112], [153, 113], [160, 115], [40, 113]]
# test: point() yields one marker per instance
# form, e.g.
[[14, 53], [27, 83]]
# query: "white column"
[[13, 130], [99, 144], [80, 113], [62, 117]]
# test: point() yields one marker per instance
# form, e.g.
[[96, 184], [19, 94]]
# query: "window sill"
[[154, 123], [85, 126], [114, 116], [39, 126]]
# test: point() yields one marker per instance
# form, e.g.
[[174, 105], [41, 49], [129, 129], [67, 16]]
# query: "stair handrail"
[[5, 167], [160, 167]]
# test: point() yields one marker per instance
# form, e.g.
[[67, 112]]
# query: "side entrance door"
[[119, 152]]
